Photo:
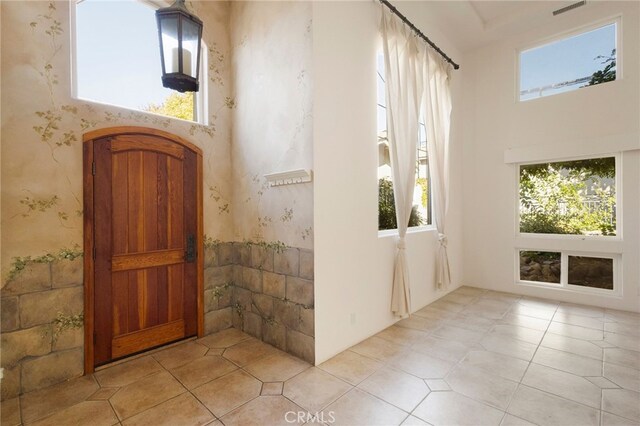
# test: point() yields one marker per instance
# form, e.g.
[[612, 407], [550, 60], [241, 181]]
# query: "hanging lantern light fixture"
[[180, 34]]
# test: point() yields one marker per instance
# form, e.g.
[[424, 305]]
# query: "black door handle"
[[190, 252]]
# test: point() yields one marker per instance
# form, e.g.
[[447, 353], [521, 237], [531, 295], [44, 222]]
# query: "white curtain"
[[404, 86], [436, 109]]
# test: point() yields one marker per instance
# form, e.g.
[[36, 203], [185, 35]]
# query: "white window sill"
[[413, 230]]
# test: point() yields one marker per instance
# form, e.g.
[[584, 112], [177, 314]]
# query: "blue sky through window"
[[118, 55], [565, 60]]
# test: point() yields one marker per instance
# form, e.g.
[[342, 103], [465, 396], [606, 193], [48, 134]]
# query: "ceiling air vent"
[[570, 7]]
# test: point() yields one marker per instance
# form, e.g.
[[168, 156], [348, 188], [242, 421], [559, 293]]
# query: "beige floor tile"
[[521, 333], [462, 299], [563, 384], [525, 321], [625, 377], [545, 409], [487, 308], [622, 402], [224, 338], [351, 367], [579, 320], [264, 410], [501, 296], [471, 322], [401, 335], [183, 410], [229, 392], [568, 362], [574, 346], [103, 394], [448, 350], [272, 388], [623, 317], [397, 388], [451, 408], [313, 389], [434, 313], [510, 420], [447, 306], [456, 333], [10, 412], [504, 366], [529, 311], [623, 341], [632, 329], [438, 385], [43, 402], [469, 291], [414, 421], [377, 348], [127, 372], [602, 382], [508, 346], [277, 368], [421, 365], [358, 408], [248, 351], [94, 413], [145, 393], [419, 323], [180, 354], [575, 331], [609, 419], [537, 303], [482, 386], [622, 357], [587, 311], [203, 370]]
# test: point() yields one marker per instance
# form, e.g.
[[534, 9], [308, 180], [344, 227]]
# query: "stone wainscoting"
[[37, 349], [265, 290]]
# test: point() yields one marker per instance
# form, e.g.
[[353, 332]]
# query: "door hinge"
[[93, 168]]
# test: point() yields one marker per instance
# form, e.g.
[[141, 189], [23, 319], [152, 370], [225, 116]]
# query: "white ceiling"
[[473, 23]]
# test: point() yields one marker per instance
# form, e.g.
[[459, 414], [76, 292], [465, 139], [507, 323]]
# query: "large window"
[[421, 211], [580, 60], [118, 59], [569, 197]]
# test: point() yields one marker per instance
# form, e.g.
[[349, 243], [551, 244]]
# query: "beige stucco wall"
[[42, 127], [272, 121]]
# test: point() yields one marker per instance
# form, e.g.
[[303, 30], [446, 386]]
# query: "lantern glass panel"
[[169, 29], [190, 36]]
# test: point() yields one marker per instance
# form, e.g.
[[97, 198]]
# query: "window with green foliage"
[[569, 197], [421, 211], [117, 59]]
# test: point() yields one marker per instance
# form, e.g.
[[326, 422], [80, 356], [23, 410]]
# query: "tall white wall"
[[575, 123], [353, 265]]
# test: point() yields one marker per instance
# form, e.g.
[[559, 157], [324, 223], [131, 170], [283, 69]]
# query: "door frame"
[[88, 140]]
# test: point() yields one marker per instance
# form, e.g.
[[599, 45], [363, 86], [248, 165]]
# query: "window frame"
[[574, 237], [564, 272], [200, 104], [594, 25], [430, 226]]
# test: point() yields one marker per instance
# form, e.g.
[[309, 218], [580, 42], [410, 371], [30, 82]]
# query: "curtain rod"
[[419, 33]]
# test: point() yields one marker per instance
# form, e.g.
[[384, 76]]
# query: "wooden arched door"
[[143, 241]]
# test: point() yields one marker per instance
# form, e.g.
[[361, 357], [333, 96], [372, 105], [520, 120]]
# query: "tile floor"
[[474, 357]]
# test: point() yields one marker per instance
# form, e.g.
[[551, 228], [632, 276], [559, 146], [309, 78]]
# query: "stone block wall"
[[37, 349], [265, 290]]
